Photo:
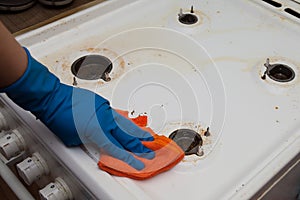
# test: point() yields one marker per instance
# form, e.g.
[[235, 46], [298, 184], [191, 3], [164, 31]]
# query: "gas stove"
[[226, 70]]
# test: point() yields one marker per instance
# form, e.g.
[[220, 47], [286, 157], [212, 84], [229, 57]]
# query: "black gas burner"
[[278, 72], [189, 141], [187, 18], [92, 67]]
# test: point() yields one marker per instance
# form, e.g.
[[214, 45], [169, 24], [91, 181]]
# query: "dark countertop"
[[39, 15]]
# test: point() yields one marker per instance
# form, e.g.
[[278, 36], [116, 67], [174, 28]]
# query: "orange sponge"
[[167, 155]]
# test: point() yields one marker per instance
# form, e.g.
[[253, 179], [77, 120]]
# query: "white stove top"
[[187, 76]]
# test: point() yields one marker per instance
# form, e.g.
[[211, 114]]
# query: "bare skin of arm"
[[13, 58]]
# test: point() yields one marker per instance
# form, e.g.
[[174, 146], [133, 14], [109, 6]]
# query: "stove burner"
[[92, 67], [189, 141], [187, 18], [278, 72]]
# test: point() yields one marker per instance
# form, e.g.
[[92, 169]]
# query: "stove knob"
[[58, 190], [12, 144], [3, 123], [32, 168]]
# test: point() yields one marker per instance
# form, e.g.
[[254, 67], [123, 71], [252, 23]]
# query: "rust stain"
[[92, 49], [202, 15], [100, 82], [122, 63], [65, 66], [120, 67]]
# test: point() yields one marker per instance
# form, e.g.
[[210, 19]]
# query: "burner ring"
[[188, 19], [92, 67], [188, 140], [281, 73]]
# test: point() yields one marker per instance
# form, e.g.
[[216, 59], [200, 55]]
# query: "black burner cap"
[[92, 67], [188, 19], [278, 72], [188, 140], [281, 73]]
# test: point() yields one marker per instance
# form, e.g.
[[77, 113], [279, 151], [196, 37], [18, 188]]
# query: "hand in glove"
[[77, 115]]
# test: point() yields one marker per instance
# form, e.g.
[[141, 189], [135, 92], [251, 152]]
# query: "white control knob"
[[12, 144], [3, 123], [58, 190], [32, 168]]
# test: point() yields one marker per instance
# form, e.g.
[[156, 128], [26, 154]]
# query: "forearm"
[[75, 115], [13, 59]]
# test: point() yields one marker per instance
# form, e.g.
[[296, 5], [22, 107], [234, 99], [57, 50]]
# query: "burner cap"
[[278, 72], [188, 19], [281, 73], [92, 67], [188, 140]]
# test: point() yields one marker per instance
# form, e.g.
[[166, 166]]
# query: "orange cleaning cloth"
[[167, 155]]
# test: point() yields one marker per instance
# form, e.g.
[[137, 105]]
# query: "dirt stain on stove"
[[122, 63], [231, 59], [65, 66], [201, 16], [120, 69], [91, 49]]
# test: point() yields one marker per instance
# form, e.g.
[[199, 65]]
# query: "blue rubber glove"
[[77, 115]]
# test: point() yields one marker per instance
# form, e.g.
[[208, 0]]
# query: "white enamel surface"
[[207, 74]]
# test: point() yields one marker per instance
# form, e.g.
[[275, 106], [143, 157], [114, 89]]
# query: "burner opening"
[[187, 18], [281, 73], [278, 72], [189, 141], [92, 67]]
